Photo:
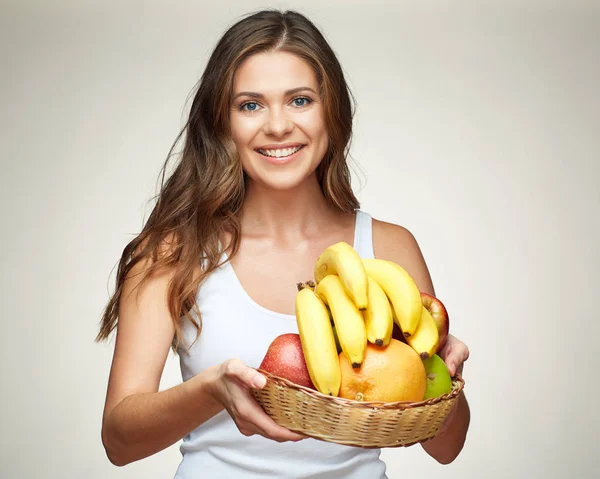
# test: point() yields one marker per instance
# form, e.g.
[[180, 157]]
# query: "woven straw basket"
[[354, 423]]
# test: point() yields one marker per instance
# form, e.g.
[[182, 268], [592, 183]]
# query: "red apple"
[[284, 358], [440, 316]]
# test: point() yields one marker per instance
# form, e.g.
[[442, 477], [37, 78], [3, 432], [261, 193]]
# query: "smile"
[[284, 153]]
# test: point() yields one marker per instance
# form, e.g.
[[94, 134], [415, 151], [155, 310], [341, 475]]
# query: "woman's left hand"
[[454, 353]]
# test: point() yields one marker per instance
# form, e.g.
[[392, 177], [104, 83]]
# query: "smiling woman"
[[291, 116], [261, 188]]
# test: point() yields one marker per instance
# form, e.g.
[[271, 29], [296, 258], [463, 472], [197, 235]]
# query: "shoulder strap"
[[363, 234]]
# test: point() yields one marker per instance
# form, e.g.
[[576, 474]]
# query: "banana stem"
[[308, 284]]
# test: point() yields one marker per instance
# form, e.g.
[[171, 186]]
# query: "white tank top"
[[234, 326]]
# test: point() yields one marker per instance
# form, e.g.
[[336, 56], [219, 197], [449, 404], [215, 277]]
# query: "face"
[[277, 119]]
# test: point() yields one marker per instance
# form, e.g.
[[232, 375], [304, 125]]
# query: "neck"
[[289, 213]]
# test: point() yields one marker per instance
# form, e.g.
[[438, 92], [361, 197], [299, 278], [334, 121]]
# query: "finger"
[[251, 412], [248, 376], [251, 378], [239, 415], [284, 435], [466, 353], [457, 359], [279, 434], [446, 350], [451, 361], [248, 429]]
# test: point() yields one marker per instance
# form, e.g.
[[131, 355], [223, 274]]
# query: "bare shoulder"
[[145, 329], [396, 243]]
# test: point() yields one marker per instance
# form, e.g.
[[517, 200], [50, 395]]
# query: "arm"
[[394, 243], [138, 420]]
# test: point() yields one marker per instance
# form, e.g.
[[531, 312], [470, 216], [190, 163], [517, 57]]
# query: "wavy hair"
[[202, 197]]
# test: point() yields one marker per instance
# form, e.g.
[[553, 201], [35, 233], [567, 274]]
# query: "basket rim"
[[458, 384]]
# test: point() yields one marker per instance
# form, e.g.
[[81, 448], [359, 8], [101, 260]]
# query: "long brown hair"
[[202, 197]]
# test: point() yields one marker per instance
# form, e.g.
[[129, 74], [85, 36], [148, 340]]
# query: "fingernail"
[[259, 381]]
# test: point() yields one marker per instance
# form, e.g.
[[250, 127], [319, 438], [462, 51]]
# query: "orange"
[[388, 373]]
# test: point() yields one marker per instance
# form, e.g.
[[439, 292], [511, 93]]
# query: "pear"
[[439, 381]]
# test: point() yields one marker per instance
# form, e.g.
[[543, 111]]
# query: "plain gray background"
[[477, 128]]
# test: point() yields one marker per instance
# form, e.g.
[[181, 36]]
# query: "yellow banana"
[[318, 343], [343, 260], [425, 339], [378, 316], [401, 290], [349, 323]]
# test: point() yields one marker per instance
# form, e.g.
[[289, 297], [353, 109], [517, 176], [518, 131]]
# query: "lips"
[[281, 160], [281, 146], [280, 152]]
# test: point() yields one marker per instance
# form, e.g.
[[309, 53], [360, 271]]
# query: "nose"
[[278, 123]]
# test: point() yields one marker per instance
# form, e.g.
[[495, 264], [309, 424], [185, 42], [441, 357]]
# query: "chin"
[[281, 181]]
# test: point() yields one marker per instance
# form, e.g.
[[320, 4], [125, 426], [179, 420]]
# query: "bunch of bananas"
[[356, 301]]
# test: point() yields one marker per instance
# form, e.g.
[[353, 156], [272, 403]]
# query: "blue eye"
[[249, 103], [302, 99], [252, 106]]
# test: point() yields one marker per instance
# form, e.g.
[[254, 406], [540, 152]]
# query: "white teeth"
[[280, 153]]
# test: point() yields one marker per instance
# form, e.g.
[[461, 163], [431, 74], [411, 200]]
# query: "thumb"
[[253, 379], [258, 381], [246, 375]]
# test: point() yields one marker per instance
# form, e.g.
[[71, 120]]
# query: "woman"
[[261, 188]]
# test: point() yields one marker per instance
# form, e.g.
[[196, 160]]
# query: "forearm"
[[446, 446], [146, 423]]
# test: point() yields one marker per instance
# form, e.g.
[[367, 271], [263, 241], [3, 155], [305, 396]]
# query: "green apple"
[[438, 377]]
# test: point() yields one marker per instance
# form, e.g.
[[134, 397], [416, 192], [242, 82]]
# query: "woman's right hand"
[[232, 389]]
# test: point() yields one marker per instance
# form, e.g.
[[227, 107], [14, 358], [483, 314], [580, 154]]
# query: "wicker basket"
[[354, 423]]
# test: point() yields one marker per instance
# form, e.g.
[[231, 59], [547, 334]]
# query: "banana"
[[318, 343], [425, 340], [348, 320], [378, 316], [335, 336], [343, 260], [401, 290]]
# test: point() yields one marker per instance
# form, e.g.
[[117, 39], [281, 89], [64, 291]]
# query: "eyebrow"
[[286, 93]]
